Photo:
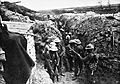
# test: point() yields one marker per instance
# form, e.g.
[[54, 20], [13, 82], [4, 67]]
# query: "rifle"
[[75, 52]]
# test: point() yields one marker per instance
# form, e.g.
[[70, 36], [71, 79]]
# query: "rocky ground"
[[40, 76], [81, 80], [67, 79]]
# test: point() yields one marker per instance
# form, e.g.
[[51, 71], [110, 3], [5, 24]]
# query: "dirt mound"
[[47, 29]]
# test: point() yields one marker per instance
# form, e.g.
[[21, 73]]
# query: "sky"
[[57, 4]]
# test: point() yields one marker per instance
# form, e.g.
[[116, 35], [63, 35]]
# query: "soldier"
[[89, 61], [61, 52], [52, 58], [88, 54], [69, 54], [78, 60]]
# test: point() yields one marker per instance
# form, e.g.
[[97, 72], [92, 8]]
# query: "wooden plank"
[[18, 27]]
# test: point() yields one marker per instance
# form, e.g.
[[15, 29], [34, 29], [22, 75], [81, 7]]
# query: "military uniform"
[[78, 61], [89, 61]]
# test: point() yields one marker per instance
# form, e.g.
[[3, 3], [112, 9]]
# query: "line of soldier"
[[76, 56], [68, 53], [58, 55]]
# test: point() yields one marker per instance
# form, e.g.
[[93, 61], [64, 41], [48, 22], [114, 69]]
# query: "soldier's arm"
[[75, 52]]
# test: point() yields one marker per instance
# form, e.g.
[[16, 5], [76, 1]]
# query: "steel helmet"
[[90, 46], [77, 41], [56, 40], [52, 46], [51, 17], [72, 41]]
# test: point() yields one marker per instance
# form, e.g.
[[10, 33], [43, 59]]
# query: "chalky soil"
[[40, 76]]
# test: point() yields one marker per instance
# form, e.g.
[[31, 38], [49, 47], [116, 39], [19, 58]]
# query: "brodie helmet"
[[75, 41], [90, 46], [56, 40], [52, 46], [72, 41]]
